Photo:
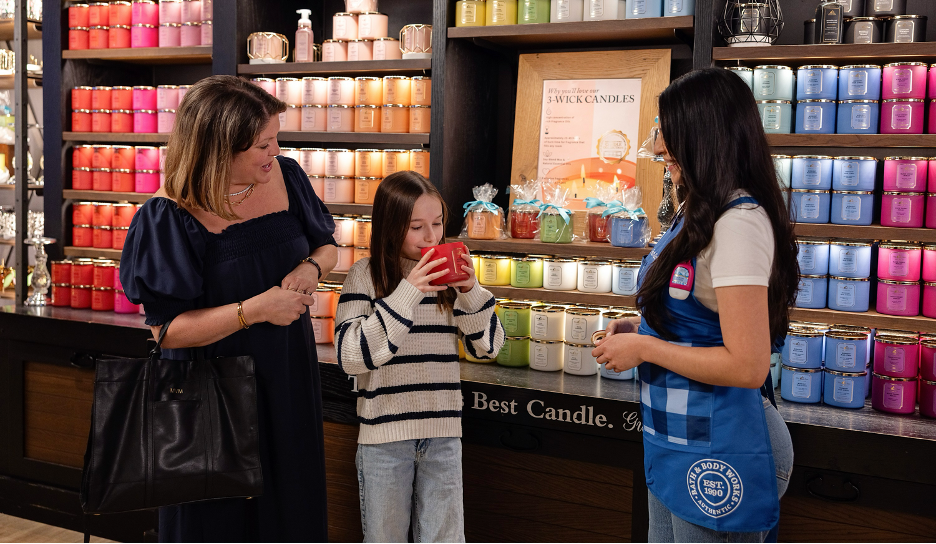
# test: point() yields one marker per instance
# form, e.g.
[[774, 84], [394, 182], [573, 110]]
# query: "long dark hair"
[[393, 207], [712, 129]]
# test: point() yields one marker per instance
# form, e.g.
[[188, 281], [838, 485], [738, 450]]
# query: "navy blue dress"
[[172, 264]]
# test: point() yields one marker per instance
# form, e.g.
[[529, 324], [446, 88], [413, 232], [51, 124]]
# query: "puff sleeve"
[[316, 220]]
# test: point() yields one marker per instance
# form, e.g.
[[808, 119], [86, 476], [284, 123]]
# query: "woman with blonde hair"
[[230, 251]]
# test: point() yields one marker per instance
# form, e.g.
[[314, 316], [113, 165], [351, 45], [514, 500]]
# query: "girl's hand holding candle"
[[466, 285], [420, 277]]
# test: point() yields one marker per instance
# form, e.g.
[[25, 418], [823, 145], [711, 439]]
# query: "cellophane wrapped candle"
[[524, 213], [599, 224], [555, 219], [483, 220]]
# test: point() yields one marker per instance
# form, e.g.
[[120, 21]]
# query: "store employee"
[[714, 297]]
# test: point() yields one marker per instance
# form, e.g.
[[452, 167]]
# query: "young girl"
[[399, 335]]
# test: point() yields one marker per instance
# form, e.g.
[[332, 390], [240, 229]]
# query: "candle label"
[[809, 206], [419, 162], [864, 32], [900, 210], [579, 328], [387, 119], [768, 83], [500, 12], [353, 51], [857, 82], [802, 385], [851, 208], [813, 83], [530, 12], [772, 117], [540, 356], [899, 263], [331, 193], [314, 306], [845, 298], [798, 350], [575, 359], [504, 354], [419, 89], [469, 13], [334, 120], [596, 8], [366, 120], [308, 123], [639, 7], [416, 120], [902, 81], [363, 192], [843, 391], [846, 355], [675, 6], [903, 31], [390, 161], [511, 322], [539, 325], [861, 117], [523, 273], [893, 396], [328, 52], [479, 225], [627, 280], [317, 329], [906, 175], [807, 258], [364, 162], [883, 5], [830, 23], [490, 269], [812, 118], [564, 9], [812, 173], [282, 119], [554, 275], [341, 27], [848, 261], [897, 302], [804, 295], [590, 279], [364, 25], [850, 169], [902, 117]]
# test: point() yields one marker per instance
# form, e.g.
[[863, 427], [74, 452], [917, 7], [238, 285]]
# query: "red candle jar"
[[898, 298], [123, 157], [929, 299], [144, 121], [103, 238], [894, 395], [82, 213], [928, 359], [100, 120], [144, 36], [122, 304], [101, 98], [78, 15], [82, 272], [147, 158], [524, 224], [146, 181], [928, 398], [103, 214], [101, 179], [144, 98], [103, 273], [899, 261], [118, 37], [82, 121], [896, 356], [61, 294], [904, 116], [904, 80], [98, 37], [81, 296], [103, 156], [98, 14], [599, 228], [119, 14], [121, 98], [102, 299], [930, 221], [123, 181], [81, 179], [78, 38], [82, 236], [83, 156], [123, 214], [60, 271], [929, 263], [81, 98], [900, 209], [907, 174], [119, 237], [121, 121], [452, 253], [144, 12]]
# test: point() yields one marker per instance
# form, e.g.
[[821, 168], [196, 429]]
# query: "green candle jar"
[[515, 317], [533, 11], [526, 272], [554, 229], [515, 352]]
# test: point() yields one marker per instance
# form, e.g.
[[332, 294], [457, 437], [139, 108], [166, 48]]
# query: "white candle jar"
[[560, 274], [624, 278], [608, 317], [594, 276], [345, 26], [547, 323], [344, 230], [581, 324], [578, 360], [339, 162], [547, 355], [564, 11], [339, 190], [602, 10], [314, 91], [341, 91]]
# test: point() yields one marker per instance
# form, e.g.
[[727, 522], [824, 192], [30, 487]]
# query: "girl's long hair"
[[393, 208], [712, 129]]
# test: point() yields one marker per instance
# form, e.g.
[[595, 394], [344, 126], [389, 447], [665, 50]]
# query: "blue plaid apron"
[[707, 453]]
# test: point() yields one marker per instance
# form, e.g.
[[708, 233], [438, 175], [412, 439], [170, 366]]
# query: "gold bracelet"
[[240, 316]]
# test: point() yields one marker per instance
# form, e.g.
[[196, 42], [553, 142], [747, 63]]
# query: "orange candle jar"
[[419, 162], [82, 213], [102, 237], [81, 296], [324, 300], [394, 118], [120, 237], [121, 98], [101, 98], [103, 156], [421, 91], [396, 90], [419, 119], [366, 119], [362, 231], [345, 258], [82, 179], [369, 91], [364, 189], [395, 160], [98, 37], [82, 156], [483, 225], [82, 236], [102, 299], [361, 253], [61, 294], [368, 163], [103, 273], [123, 214], [103, 215], [82, 121], [323, 328], [340, 118]]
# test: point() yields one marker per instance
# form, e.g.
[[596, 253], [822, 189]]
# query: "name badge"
[[681, 281]]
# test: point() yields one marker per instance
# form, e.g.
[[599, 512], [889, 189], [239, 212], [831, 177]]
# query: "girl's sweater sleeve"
[[476, 320], [369, 331]]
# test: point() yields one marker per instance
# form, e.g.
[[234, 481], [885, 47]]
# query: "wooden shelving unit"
[[645, 31], [561, 297], [877, 53], [105, 196], [350, 209], [116, 137], [351, 68], [853, 140], [535, 247], [338, 277], [354, 138], [199, 54], [92, 252], [873, 232]]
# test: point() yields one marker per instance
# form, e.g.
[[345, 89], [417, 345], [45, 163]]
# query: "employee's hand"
[[620, 326], [621, 351]]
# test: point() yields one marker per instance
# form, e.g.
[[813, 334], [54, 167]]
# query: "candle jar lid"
[[545, 308], [851, 158], [528, 258], [854, 66], [574, 345], [850, 243], [777, 101], [892, 379], [908, 158], [495, 257], [739, 69], [538, 341], [902, 17], [853, 192], [840, 278], [814, 277], [772, 67], [806, 370], [899, 193], [367, 78], [818, 100], [332, 40], [576, 310], [900, 244], [598, 336], [818, 67], [516, 305], [517, 338], [904, 100], [559, 260], [846, 374], [895, 282], [893, 64], [813, 241], [595, 262], [397, 77], [805, 333], [846, 335]]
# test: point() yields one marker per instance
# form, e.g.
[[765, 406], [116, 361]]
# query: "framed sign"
[[581, 117]]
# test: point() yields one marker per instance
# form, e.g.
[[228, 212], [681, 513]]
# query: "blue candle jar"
[[800, 384], [854, 173], [850, 259], [612, 375], [844, 389], [745, 73], [849, 294], [773, 83], [813, 172], [812, 292], [624, 278], [812, 256], [810, 206], [783, 164], [860, 82], [802, 348], [846, 351], [858, 117], [676, 8], [776, 116], [628, 232], [641, 9], [817, 82], [815, 116], [852, 208]]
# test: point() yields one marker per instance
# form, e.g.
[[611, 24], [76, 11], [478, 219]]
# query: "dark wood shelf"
[[646, 31], [116, 137], [870, 319], [876, 53], [561, 297], [10, 187], [350, 209], [336, 277], [873, 232], [92, 252], [389, 138], [33, 30], [852, 140], [199, 54], [105, 196], [357, 68], [535, 247]]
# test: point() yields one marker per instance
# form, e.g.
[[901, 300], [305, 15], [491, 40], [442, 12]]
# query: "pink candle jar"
[[904, 80], [118, 37], [81, 98], [191, 11], [334, 51], [98, 37], [360, 49], [928, 398], [928, 359], [207, 33], [100, 120], [372, 25], [121, 121], [894, 395], [898, 298], [908, 174], [341, 91], [929, 263], [147, 158], [339, 190], [931, 211], [394, 118], [79, 38], [170, 11], [318, 186], [119, 14], [121, 98], [932, 81], [146, 181], [902, 116], [167, 97], [289, 90], [82, 121], [314, 119], [265, 83], [191, 34], [902, 209], [122, 304], [345, 26], [929, 299], [314, 91], [339, 162], [931, 124], [144, 121], [182, 90], [170, 34], [387, 49], [291, 119], [899, 261], [896, 356], [144, 12], [78, 16], [165, 120], [144, 35], [340, 118]]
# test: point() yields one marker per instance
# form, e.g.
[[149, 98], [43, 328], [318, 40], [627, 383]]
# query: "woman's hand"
[[420, 277], [303, 279], [620, 351], [277, 306], [466, 285], [620, 326]]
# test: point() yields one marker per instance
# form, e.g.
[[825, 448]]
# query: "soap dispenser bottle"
[[304, 49]]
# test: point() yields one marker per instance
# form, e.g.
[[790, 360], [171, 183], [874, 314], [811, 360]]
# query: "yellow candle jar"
[[469, 13], [495, 270], [476, 262], [500, 12], [485, 225], [526, 272]]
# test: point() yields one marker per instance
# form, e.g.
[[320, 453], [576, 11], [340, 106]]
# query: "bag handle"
[[162, 333]]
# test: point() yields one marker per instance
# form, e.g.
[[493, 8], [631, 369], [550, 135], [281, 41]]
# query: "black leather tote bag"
[[168, 432]]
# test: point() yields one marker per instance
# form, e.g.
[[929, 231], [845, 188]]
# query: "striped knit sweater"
[[404, 352]]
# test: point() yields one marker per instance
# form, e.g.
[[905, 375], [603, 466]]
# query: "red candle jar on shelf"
[[82, 156], [78, 38], [100, 120], [81, 296], [102, 157], [98, 37], [82, 179], [81, 98], [60, 271], [121, 98], [119, 14], [101, 98], [60, 294], [524, 224], [102, 238], [82, 213], [123, 158], [78, 15], [123, 181], [119, 237], [102, 299], [103, 214], [118, 37], [82, 272], [98, 14], [103, 273], [82, 236], [121, 121], [102, 179], [123, 214], [82, 121], [599, 228]]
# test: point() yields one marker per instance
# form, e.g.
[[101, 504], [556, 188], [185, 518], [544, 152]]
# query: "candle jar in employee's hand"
[[452, 253]]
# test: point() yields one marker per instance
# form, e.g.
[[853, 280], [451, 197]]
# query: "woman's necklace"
[[241, 191], [249, 190]]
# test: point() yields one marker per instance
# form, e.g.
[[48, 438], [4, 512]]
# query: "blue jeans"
[[667, 527], [412, 484]]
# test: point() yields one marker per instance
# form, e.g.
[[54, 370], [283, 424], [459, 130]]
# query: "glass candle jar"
[[929, 263], [554, 229], [903, 116], [773, 83], [578, 359], [812, 292], [776, 116], [813, 256], [419, 118], [899, 261], [500, 12], [566, 11], [908, 174], [815, 116], [484, 225], [803, 348], [345, 259], [360, 50], [900, 209], [524, 224], [599, 227], [896, 356], [594, 276], [850, 258], [849, 294], [533, 11], [746, 74], [515, 317], [365, 188], [495, 270], [810, 206], [860, 82], [854, 173], [515, 352], [342, 91], [394, 118], [898, 298], [929, 299], [362, 231], [469, 13], [312, 160], [844, 389], [395, 160], [340, 118], [904, 80], [893, 395], [339, 162], [421, 91], [314, 118], [289, 90], [323, 329], [846, 351], [800, 384], [369, 91], [345, 26], [852, 208], [323, 303], [784, 166], [368, 162], [624, 276], [639, 9], [339, 190], [526, 272], [560, 274], [817, 82], [858, 117], [581, 324], [548, 323], [930, 220], [546, 355], [627, 231], [419, 163], [387, 49], [334, 50], [344, 230], [372, 25], [367, 119], [397, 90], [928, 358]]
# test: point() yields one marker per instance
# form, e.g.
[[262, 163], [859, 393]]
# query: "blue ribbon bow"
[[614, 210], [489, 206], [592, 202], [563, 212], [534, 202]]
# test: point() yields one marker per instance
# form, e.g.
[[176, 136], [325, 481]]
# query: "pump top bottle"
[[304, 50]]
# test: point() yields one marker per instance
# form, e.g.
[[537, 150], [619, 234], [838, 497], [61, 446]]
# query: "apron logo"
[[715, 487]]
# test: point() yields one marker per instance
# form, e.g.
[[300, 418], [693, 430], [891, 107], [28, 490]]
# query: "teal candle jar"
[[526, 272], [515, 352], [515, 317], [533, 11], [554, 229]]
